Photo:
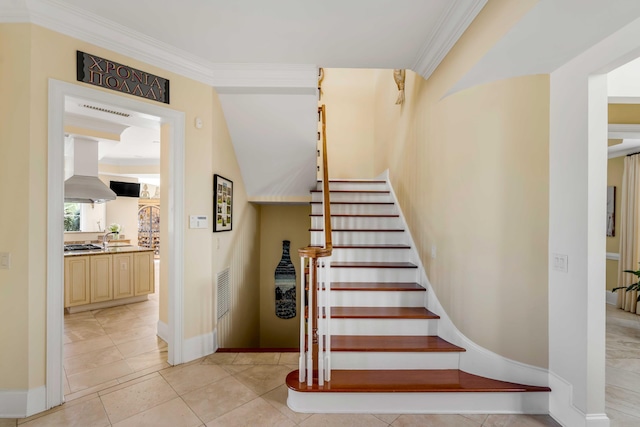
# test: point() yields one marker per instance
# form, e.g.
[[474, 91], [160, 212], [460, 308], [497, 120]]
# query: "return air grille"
[[224, 283], [104, 110]]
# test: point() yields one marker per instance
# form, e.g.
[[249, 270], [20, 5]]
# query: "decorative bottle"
[[285, 278]]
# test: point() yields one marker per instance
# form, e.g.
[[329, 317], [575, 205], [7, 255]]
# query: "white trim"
[[451, 25], [13, 14], [611, 298], [420, 403], [106, 304], [162, 331], [475, 360], [265, 76], [22, 403], [622, 131], [613, 256], [200, 346], [623, 100], [175, 218], [562, 409]]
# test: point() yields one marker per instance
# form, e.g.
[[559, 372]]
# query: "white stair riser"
[[358, 222], [373, 274], [394, 360], [356, 186], [410, 327], [420, 403], [372, 255], [360, 237], [354, 209], [353, 197], [378, 299]]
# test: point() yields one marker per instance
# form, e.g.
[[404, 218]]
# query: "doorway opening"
[[172, 124]]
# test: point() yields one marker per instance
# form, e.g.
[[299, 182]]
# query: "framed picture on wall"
[[222, 203], [611, 211]]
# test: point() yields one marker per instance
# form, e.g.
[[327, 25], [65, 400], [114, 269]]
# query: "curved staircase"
[[386, 355]]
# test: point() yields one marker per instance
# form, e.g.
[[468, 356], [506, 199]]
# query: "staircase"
[[386, 355]]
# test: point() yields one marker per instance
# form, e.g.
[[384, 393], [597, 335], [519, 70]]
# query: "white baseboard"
[[22, 403], [162, 330], [562, 409], [611, 297], [200, 346]]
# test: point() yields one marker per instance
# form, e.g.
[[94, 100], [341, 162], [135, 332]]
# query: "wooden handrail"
[[325, 183]]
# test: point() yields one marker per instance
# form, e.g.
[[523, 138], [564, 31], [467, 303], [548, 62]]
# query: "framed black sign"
[[222, 203]]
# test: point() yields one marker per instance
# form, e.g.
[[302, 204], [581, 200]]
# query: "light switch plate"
[[561, 263], [198, 221], [5, 260]]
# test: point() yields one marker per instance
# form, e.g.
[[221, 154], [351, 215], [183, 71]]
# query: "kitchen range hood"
[[83, 184]]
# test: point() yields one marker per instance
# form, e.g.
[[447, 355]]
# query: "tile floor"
[[117, 376]]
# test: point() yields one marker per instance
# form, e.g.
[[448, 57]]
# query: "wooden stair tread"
[[365, 230], [409, 381], [380, 286], [367, 246], [382, 313], [360, 215], [393, 343], [366, 264]]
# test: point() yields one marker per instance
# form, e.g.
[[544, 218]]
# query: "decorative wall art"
[[285, 285], [222, 203], [611, 211]]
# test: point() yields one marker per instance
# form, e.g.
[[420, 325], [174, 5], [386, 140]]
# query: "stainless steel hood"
[[84, 186]]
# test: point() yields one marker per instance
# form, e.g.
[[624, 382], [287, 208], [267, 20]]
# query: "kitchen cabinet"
[[76, 281], [101, 278], [143, 273], [123, 276]]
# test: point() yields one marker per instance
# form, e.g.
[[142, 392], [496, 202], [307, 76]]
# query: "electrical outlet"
[[561, 263], [433, 251], [5, 260]]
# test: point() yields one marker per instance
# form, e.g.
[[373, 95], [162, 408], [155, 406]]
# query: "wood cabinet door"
[[123, 276], [76, 281], [143, 273], [101, 278]]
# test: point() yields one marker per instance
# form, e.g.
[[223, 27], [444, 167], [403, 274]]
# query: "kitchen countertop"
[[113, 248]]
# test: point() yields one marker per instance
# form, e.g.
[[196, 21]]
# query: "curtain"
[[629, 229]]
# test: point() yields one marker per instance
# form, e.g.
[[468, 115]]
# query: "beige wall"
[[30, 55], [278, 223], [349, 97], [614, 178], [471, 174]]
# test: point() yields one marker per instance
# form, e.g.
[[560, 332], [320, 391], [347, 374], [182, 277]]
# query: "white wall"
[[578, 162]]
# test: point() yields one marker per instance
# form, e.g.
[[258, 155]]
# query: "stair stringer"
[[476, 360]]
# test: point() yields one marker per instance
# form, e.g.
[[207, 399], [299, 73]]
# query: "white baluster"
[[301, 364], [310, 325], [321, 302], [327, 296]]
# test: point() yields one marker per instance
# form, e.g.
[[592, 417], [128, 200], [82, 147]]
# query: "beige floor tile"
[[87, 361], [387, 418], [352, 420], [235, 369], [520, 421], [89, 391], [192, 377], [90, 413], [83, 333], [65, 406], [147, 360], [121, 385], [622, 378], [124, 324], [136, 333], [142, 345], [620, 419], [87, 346], [623, 400], [289, 359], [111, 311], [220, 358], [255, 413], [8, 422], [480, 418], [278, 399], [257, 359], [102, 374], [143, 372], [263, 378], [78, 316], [129, 401], [218, 398], [174, 413], [434, 421]]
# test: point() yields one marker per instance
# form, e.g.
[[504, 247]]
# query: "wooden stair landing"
[[408, 381], [392, 343]]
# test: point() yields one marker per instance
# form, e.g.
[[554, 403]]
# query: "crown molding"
[[624, 100], [13, 11], [63, 18], [451, 25]]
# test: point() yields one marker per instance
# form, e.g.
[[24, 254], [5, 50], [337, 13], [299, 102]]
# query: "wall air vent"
[[105, 110], [224, 283]]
